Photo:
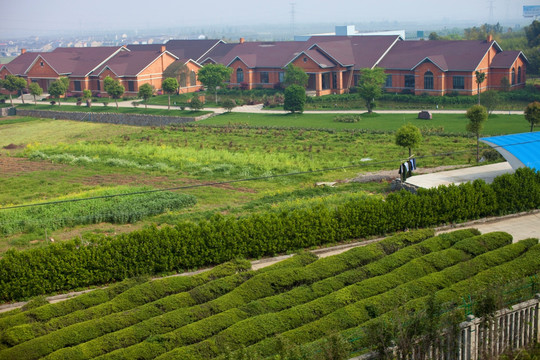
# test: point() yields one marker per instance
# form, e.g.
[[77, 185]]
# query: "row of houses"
[[333, 64]]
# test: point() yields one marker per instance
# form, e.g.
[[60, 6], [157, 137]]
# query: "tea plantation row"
[[188, 245], [301, 299]]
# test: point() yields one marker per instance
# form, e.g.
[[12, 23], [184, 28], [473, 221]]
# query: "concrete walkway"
[[259, 109], [459, 176]]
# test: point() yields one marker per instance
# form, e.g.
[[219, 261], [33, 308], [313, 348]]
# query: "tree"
[[491, 100], [477, 115], [295, 75], [408, 136], [14, 83], [370, 86], [35, 90], [213, 76], [170, 86], [196, 103], [229, 104], [434, 36], [179, 71], [533, 33], [146, 91], [87, 96], [480, 77], [57, 89], [532, 114], [113, 88], [295, 98]]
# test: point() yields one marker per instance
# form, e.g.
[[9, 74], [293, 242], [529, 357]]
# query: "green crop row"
[[158, 303], [124, 296], [49, 311], [259, 287], [117, 209], [498, 276], [502, 262], [266, 326], [188, 245]]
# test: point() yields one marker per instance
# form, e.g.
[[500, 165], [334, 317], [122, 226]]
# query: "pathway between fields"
[[259, 109], [520, 226]]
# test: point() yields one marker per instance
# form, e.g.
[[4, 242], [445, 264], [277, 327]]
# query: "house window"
[[513, 76], [356, 79], [458, 82], [192, 78], [76, 85], [388, 82], [409, 81], [41, 63], [519, 75], [281, 76], [131, 85], [99, 85], [183, 79], [428, 80], [334, 80], [264, 77], [239, 75], [326, 81]]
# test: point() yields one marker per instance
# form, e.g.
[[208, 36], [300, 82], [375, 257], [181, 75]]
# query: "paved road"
[[259, 109]]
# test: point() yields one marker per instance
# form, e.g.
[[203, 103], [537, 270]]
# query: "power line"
[[185, 187], [227, 182]]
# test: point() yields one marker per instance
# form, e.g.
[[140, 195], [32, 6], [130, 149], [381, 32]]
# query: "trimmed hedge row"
[[293, 320], [47, 312], [87, 330], [69, 265], [498, 275], [257, 328], [497, 263], [277, 281], [129, 295]]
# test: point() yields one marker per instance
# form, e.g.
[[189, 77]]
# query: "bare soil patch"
[[154, 181], [13, 165]]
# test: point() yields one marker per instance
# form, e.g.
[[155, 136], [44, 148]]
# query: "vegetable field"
[[232, 310]]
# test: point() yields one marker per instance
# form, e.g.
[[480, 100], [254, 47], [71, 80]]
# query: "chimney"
[[163, 48], [23, 51], [242, 40], [489, 38]]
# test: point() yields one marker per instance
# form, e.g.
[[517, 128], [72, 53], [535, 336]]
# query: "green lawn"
[[56, 158], [441, 123], [112, 108]]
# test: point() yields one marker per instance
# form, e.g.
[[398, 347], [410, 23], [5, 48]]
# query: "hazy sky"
[[32, 17]]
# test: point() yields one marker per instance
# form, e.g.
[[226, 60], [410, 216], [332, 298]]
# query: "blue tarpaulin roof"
[[519, 150]]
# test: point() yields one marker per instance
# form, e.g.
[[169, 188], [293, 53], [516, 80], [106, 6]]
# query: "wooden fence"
[[481, 338]]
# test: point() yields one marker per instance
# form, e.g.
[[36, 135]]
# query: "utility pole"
[[491, 7], [292, 18]]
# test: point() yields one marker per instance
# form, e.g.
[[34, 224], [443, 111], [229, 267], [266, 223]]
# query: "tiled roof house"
[[333, 64], [441, 67]]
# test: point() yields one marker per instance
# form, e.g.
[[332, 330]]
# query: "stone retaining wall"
[[111, 118], [9, 111]]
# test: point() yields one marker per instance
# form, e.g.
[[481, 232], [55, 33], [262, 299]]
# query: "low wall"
[[9, 111], [110, 118]]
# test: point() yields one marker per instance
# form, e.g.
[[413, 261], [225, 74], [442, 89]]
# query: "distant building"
[[350, 30], [333, 64]]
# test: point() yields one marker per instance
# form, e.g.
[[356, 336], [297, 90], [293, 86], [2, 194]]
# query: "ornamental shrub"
[[73, 264]]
